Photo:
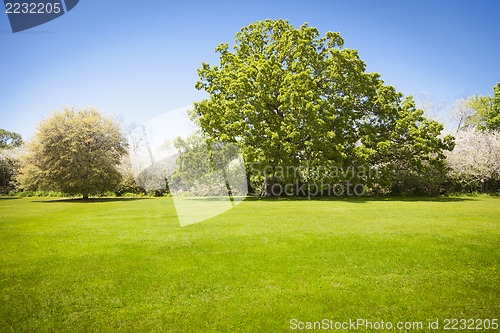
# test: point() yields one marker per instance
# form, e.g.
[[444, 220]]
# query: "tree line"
[[288, 98]]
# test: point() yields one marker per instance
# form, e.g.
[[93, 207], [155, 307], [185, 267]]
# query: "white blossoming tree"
[[476, 156]]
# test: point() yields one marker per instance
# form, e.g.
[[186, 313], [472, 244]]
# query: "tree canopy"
[[74, 151], [8, 173], [9, 139], [9, 164], [288, 96], [481, 112], [493, 118]]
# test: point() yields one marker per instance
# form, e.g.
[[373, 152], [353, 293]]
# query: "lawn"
[[126, 264]]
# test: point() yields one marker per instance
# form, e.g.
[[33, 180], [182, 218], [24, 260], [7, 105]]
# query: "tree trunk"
[[85, 196], [484, 186], [268, 186]]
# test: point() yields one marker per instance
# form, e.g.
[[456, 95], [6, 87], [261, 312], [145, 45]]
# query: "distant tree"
[[8, 171], [128, 183], [10, 143], [462, 114], [476, 156], [493, 119], [9, 139], [482, 108], [206, 165], [74, 151], [432, 109], [289, 97], [482, 112], [193, 160]]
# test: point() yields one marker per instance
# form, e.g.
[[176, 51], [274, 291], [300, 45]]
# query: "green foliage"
[[157, 193], [462, 184], [289, 97], [53, 194], [204, 167], [484, 111], [410, 152], [482, 108], [154, 178], [74, 151], [9, 139], [493, 120], [9, 165], [8, 172], [193, 161], [129, 194], [128, 185]]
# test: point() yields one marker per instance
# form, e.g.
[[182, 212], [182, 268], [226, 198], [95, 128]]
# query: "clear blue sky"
[[138, 59]]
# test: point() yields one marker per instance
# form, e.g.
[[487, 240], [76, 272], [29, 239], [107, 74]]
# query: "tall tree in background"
[[74, 151], [9, 139], [10, 143], [481, 112], [493, 121], [8, 172], [287, 97]]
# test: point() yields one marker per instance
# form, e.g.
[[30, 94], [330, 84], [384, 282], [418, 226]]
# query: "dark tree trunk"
[[484, 186], [85, 196], [268, 187]]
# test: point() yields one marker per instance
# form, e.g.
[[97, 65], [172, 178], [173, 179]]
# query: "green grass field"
[[126, 264]]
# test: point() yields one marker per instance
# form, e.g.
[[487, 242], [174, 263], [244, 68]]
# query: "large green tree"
[[74, 151], [289, 96]]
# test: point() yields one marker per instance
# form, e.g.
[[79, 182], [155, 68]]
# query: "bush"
[[128, 186], [468, 184], [128, 194], [157, 193]]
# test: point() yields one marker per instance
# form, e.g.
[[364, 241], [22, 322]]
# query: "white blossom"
[[476, 154]]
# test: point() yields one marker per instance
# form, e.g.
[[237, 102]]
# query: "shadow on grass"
[[92, 200], [7, 198], [355, 199], [352, 199]]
